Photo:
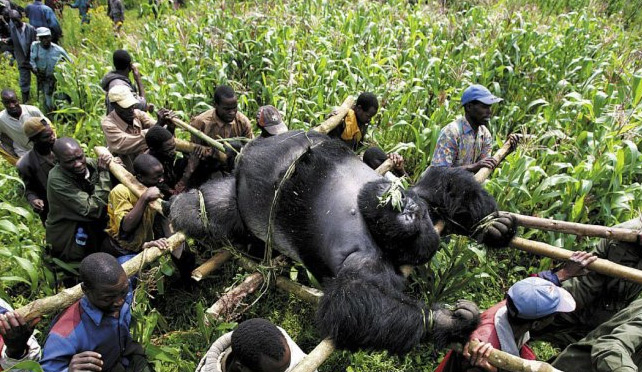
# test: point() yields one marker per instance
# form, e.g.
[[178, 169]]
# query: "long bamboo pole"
[[624, 235], [69, 296], [127, 178], [332, 122], [484, 173], [316, 357], [197, 133], [509, 362], [601, 266], [211, 265]]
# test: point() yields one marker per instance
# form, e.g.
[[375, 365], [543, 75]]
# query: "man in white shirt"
[[13, 140], [255, 346], [17, 342]]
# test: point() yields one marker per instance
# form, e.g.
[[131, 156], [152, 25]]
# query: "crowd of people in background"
[[88, 217]]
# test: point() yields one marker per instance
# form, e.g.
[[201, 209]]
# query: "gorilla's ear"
[[210, 212], [453, 195]]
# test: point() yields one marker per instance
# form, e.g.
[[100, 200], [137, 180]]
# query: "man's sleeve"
[[146, 120], [57, 354], [32, 55], [247, 127], [197, 123], [122, 142], [612, 352], [445, 150], [120, 206], [487, 145], [86, 207], [29, 181]]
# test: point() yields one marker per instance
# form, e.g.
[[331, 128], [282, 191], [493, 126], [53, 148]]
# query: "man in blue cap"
[[466, 142], [530, 304]]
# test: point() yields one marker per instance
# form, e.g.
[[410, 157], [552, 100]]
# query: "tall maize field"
[[570, 73]]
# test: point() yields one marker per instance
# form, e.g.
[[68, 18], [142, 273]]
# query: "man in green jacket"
[[77, 190], [613, 346], [599, 297]]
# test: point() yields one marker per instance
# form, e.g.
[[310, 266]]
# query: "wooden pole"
[[484, 173], [316, 357], [232, 298], [509, 362], [197, 133], [211, 265], [68, 296], [311, 295], [127, 179], [385, 167], [184, 146], [601, 266], [332, 122], [8, 157], [623, 235]]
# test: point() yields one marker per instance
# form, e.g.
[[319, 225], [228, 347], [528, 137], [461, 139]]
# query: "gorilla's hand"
[[454, 325], [496, 230]]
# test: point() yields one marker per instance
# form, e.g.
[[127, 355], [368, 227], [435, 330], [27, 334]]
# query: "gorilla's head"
[[404, 231]]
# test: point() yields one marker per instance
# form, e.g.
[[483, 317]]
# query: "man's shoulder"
[[120, 191], [32, 111], [204, 117], [24, 163], [109, 118], [242, 118], [68, 321]]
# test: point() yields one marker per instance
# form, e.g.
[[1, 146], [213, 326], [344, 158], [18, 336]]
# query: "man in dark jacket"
[[22, 35], [41, 15], [77, 190], [35, 165], [120, 76]]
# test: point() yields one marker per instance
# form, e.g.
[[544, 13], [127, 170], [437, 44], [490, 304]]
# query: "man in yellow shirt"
[[132, 223]]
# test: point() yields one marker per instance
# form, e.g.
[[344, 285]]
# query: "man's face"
[[478, 113], [44, 140], [364, 116], [109, 298], [152, 177], [226, 109], [168, 149], [73, 160], [45, 41], [16, 19], [127, 114], [12, 105]]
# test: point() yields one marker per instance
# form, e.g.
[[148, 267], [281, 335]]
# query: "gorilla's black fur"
[[320, 205]]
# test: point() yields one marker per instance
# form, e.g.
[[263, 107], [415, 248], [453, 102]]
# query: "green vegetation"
[[570, 72]]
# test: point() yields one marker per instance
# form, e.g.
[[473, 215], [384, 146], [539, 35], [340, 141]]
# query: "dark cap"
[[269, 118]]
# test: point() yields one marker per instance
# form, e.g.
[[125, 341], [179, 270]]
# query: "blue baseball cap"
[[536, 298], [479, 93]]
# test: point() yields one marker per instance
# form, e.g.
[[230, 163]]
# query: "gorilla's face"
[[414, 211]]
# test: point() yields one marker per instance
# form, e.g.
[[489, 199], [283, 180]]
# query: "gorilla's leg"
[[365, 309], [220, 221]]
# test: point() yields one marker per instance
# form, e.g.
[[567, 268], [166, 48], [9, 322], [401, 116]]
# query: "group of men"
[[90, 218], [33, 47]]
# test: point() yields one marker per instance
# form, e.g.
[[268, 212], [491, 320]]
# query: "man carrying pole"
[[223, 121]]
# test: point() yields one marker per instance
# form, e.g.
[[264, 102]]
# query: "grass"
[[570, 72]]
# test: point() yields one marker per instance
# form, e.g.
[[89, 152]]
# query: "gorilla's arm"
[[364, 308]]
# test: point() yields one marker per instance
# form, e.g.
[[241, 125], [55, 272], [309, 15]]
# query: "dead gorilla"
[[327, 215]]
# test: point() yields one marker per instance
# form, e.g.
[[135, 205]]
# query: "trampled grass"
[[570, 73]]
